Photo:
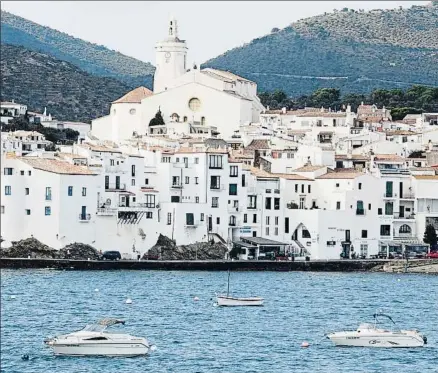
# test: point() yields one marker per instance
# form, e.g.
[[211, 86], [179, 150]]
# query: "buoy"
[[25, 357], [305, 344], [195, 299], [128, 301], [96, 290], [12, 296], [153, 348]]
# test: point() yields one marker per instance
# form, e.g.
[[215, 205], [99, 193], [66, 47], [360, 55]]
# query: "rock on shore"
[[78, 251], [166, 249]]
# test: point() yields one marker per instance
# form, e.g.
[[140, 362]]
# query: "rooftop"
[[258, 144], [262, 241], [308, 168], [135, 96], [56, 166], [388, 157], [340, 175], [426, 177]]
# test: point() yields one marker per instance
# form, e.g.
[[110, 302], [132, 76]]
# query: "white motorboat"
[[94, 341], [228, 301], [369, 335]]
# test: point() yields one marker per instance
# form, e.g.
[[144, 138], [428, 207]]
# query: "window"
[[176, 160], [47, 210], [267, 231], [165, 159], [234, 171], [337, 185], [286, 225], [338, 205], [388, 208], [106, 182], [385, 230], [359, 208], [146, 181], [196, 160], [379, 211], [305, 233], [405, 229], [190, 219], [29, 173], [187, 180], [268, 220], [196, 180], [175, 181], [26, 191], [84, 191], [22, 172], [185, 118], [196, 199], [276, 220], [233, 190], [364, 233], [149, 215], [215, 161], [276, 231], [363, 251], [254, 218], [111, 162], [185, 160], [369, 206], [133, 170], [245, 218], [7, 171], [7, 190], [252, 202], [218, 220], [360, 186], [194, 104], [132, 111], [215, 202], [309, 188], [202, 216], [48, 193], [70, 191], [276, 203], [27, 211], [296, 188], [169, 218], [302, 200], [3, 209], [132, 182], [268, 203], [302, 188], [150, 200], [215, 182]]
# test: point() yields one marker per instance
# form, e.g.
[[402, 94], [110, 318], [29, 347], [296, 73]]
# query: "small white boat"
[[94, 341], [228, 301], [369, 335]]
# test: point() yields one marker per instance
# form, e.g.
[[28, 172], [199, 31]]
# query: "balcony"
[[389, 195], [182, 165], [192, 224], [217, 187], [407, 196], [233, 209], [137, 207], [251, 207], [115, 186], [176, 186], [405, 216], [84, 218], [106, 211]]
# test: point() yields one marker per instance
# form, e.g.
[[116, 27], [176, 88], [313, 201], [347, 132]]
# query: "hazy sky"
[[210, 27]]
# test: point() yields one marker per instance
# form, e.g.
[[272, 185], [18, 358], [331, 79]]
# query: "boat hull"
[[239, 302], [108, 349], [377, 341]]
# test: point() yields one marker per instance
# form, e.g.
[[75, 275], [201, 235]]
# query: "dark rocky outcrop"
[[166, 249], [29, 247], [78, 251]]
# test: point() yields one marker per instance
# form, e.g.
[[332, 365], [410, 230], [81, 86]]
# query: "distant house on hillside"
[[10, 110], [370, 113]]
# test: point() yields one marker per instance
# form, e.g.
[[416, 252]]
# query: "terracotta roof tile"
[[56, 166], [426, 177], [308, 168], [258, 144], [135, 96], [340, 175]]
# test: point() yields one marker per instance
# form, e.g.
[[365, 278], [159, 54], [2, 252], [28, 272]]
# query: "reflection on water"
[[195, 336]]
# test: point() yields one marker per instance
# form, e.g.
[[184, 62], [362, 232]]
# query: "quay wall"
[[195, 265]]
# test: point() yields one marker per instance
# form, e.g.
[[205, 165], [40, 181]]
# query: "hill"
[[39, 80], [354, 51], [92, 58]]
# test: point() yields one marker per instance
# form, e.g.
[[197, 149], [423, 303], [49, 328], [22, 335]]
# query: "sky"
[[209, 27]]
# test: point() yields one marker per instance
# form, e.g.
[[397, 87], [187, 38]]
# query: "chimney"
[[283, 110], [348, 108], [13, 101], [267, 107]]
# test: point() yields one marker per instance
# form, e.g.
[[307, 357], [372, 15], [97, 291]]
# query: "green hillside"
[[92, 58], [39, 80], [354, 51]]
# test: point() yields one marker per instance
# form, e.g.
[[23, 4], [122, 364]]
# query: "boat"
[[370, 335], [228, 301], [93, 340]]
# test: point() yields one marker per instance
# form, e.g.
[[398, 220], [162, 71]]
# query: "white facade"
[[23, 142], [11, 110]]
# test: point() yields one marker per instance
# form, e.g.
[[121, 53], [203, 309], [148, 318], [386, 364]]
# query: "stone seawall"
[[192, 265]]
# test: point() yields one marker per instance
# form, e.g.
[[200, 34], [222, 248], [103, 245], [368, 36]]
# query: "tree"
[[158, 120], [430, 236]]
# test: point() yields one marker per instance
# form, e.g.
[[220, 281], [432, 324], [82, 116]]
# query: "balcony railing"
[[234, 208], [115, 186], [389, 195], [403, 216], [176, 185], [407, 196], [251, 207], [84, 217], [191, 224], [217, 187], [106, 211]]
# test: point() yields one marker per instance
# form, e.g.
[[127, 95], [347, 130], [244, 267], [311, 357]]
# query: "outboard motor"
[[424, 339]]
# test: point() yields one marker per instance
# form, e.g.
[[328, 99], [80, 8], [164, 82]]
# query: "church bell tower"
[[170, 58]]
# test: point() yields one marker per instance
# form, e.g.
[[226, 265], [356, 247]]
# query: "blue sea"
[[195, 336]]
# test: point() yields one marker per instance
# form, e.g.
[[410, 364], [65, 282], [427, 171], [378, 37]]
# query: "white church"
[[191, 101]]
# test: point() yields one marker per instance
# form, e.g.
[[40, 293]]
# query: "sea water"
[[195, 336]]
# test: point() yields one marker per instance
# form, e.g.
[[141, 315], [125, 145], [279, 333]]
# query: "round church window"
[[194, 104], [132, 111]]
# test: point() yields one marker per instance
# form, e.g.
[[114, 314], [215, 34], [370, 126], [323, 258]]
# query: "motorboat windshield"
[[100, 326]]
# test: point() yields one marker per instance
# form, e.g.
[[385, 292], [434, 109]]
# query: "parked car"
[[111, 255], [432, 255]]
